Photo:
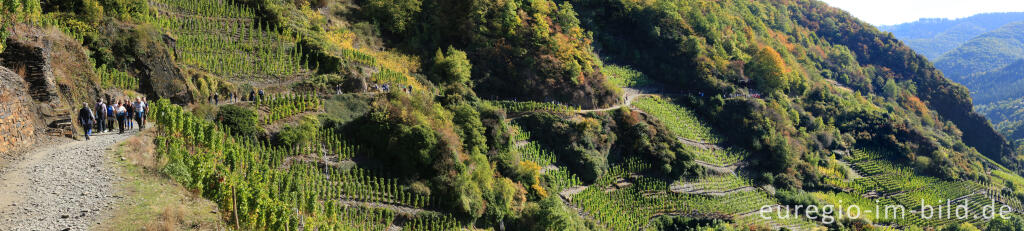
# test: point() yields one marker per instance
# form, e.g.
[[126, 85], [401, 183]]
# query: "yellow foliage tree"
[[769, 70]]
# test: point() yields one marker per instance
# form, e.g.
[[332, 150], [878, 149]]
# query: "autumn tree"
[[769, 71], [31, 10], [452, 71], [10, 11], [394, 15]]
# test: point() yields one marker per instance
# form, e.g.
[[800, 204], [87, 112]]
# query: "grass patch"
[[347, 107], [151, 201]]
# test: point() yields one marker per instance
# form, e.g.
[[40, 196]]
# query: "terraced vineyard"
[[630, 207], [278, 107], [625, 76], [559, 178], [514, 107], [681, 121], [865, 174], [224, 38], [111, 77], [898, 185], [717, 156], [713, 183], [262, 196], [775, 221]]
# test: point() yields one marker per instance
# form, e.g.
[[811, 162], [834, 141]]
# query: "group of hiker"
[[386, 87], [235, 98], [101, 116]]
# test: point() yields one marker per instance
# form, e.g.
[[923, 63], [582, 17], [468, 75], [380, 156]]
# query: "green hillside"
[[985, 57], [988, 52], [990, 65], [542, 114], [934, 37]]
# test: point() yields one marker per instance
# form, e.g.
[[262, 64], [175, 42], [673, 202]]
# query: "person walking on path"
[[145, 111], [129, 117], [120, 117], [138, 112], [111, 116], [86, 118], [101, 116]]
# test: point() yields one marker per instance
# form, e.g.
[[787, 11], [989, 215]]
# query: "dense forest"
[[986, 58], [538, 114], [934, 37]]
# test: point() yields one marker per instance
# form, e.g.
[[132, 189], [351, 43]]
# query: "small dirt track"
[[629, 95], [67, 186]]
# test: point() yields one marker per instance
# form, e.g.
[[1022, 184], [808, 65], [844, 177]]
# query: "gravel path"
[[64, 186]]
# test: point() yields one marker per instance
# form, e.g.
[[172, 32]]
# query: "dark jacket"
[[85, 116], [100, 109]]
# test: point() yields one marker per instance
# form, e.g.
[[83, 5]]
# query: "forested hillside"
[[986, 53], [934, 37], [988, 64], [541, 114]]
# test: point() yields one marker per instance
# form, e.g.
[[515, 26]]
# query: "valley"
[[493, 115]]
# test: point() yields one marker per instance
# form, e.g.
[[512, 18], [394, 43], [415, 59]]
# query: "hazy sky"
[[889, 12]]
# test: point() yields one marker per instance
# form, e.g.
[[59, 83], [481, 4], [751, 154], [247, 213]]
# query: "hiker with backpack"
[[128, 118], [86, 118], [137, 106], [100, 115], [121, 113], [110, 116]]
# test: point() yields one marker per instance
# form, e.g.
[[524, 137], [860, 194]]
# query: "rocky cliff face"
[[18, 122], [30, 62], [47, 76]]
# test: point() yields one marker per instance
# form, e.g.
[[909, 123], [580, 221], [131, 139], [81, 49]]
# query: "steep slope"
[[699, 46], [1008, 117], [990, 66], [934, 37], [1006, 83], [374, 115], [988, 52]]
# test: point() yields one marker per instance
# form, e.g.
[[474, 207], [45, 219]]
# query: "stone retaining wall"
[[17, 122]]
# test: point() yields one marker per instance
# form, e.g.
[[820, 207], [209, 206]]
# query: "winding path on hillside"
[[727, 169], [629, 94], [400, 209], [70, 185], [691, 190], [313, 159]]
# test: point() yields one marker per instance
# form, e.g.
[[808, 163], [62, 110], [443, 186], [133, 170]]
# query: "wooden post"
[[234, 206]]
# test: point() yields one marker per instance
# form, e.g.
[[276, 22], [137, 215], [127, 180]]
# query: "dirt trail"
[[401, 209], [66, 186], [721, 170], [853, 173], [690, 189], [629, 94]]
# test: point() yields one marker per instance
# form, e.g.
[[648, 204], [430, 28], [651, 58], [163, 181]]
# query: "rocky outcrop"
[[30, 61], [18, 122], [56, 74], [158, 74]]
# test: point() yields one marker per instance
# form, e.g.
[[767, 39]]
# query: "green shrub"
[[549, 214], [345, 108], [299, 135], [240, 120]]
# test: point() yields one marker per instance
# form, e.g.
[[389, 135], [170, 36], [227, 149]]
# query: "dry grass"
[[170, 219], [139, 150], [152, 201]]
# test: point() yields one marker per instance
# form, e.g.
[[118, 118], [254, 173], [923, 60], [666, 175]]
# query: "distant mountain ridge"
[[933, 37], [986, 53]]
